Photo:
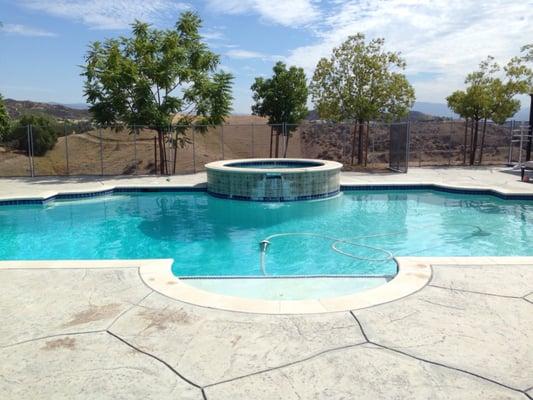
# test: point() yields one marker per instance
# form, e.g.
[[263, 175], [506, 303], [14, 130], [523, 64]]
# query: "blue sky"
[[43, 41]]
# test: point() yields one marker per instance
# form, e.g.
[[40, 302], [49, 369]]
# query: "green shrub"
[[44, 129], [4, 120]]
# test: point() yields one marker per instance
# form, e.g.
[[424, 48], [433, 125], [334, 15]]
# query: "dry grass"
[[432, 144]]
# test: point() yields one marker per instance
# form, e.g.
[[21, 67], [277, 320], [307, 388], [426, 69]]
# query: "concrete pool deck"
[[101, 333], [83, 331]]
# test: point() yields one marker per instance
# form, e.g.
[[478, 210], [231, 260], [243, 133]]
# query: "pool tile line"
[[202, 188], [229, 277]]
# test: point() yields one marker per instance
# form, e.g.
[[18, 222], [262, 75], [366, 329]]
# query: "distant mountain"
[[16, 108], [413, 116], [435, 109], [77, 106], [442, 110]]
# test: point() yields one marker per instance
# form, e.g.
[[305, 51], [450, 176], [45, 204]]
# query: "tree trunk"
[[155, 154], [367, 133], [162, 158], [175, 144], [277, 143], [474, 144], [287, 137], [482, 141], [271, 139], [466, 141], [360, 144], [353, 142]]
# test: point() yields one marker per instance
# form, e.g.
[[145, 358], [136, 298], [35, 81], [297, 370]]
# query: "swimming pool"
[[353, 234]]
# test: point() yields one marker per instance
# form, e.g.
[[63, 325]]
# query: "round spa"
[[273, 179]]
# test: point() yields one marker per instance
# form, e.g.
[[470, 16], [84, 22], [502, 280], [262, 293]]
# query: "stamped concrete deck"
[[100, 333], [90, 332]]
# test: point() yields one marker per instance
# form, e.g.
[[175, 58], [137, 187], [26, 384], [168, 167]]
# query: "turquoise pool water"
[[210, 236], [274, 164]]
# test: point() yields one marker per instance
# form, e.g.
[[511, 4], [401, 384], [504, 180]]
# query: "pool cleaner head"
[[263, 244]]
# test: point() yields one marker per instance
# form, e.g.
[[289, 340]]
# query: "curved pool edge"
[[411, 277], [414, 274]]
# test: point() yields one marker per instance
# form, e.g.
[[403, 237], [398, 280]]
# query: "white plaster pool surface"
[[286, 288]]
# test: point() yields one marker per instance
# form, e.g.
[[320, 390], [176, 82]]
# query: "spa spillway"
[[273, 179]]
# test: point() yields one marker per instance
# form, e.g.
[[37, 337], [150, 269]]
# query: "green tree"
[[4, 119], [520, 73], [479, 100], [282, 99], [488, 96], [154, 76], [44, 132], [361, 82], [459, 104]]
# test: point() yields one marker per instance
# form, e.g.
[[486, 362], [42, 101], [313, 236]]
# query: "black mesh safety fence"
[[76, 149]]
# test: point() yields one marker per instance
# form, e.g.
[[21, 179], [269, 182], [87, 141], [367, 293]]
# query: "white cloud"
[[247, 55], [109, 14], [283, 12], [23, 30], [445, 37], [213, 35]]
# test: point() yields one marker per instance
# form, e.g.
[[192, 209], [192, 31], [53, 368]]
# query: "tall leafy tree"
[[154, 76], [489, 96], [361, 82], [4, 120], [479, 101], [520, 72], [459, 104], [283, 99]]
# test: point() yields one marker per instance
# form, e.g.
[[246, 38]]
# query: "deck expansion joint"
[[477, 292], [52, 336], [155, 358], [449, 367], [360, 326], [266, 370]]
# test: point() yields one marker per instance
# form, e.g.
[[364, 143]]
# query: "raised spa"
[[273, 179]]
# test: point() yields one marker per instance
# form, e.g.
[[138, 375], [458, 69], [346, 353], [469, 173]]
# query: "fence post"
[[510, 160], [65, 133], [222, 139], [253, 154], [101, 153], [29, 150], [193, 150], [155, 155], [450, 144], [408, 146]]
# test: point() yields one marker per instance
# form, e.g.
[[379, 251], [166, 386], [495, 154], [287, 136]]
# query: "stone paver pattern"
[[102, 334]]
